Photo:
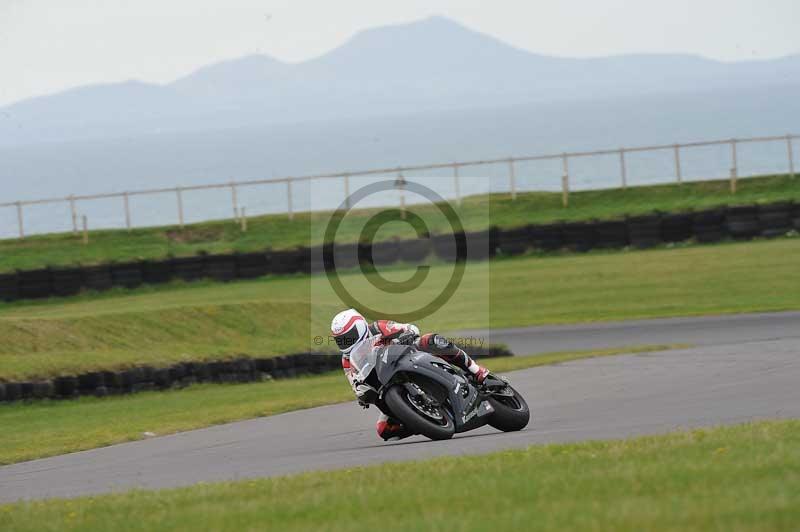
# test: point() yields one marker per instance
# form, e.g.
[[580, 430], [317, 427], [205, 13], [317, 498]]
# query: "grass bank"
[[50, 428], [745, 477], [169, 323], [476, 213]]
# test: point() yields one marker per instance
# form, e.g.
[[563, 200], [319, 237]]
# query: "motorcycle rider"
[[350, 329]]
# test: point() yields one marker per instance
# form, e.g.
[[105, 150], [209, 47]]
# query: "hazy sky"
[[48, 45]]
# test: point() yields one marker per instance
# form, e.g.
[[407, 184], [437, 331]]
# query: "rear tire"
[[511, 413], [398, 401]]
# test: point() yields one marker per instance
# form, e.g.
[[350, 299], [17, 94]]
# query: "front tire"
[[511, 412], [438, 425]]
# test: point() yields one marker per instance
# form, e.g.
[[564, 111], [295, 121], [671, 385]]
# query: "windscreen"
[[362, 359]]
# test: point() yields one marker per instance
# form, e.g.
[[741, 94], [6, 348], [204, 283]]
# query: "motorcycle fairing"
[[469, 411]]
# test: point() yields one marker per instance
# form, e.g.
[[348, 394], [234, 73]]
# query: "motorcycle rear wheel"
[[438, 425], [511, 412]]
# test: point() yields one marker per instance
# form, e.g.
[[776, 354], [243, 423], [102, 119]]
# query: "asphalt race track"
[[741, 368], [699, 331]]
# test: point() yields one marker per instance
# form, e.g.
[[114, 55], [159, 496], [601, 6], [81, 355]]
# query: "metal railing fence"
[[401, 171]]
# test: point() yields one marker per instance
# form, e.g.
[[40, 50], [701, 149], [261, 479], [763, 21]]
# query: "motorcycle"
[[432, 397]]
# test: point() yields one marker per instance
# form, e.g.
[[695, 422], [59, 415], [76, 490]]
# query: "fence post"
[[85, 231], [243, 219], [400, 183], [622, 168], [289, 198], [457, 183], [74, 214], [127, 212], [791, 155], [565, 182], [20, 221], [734, 166], [678, 172], [512, 178], [179, 195], [347, 191], [234, 201]]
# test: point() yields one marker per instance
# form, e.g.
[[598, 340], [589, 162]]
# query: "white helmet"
[[349, 328]]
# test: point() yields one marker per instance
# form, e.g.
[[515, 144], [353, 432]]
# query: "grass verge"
[[476, 213], [744, 477], [169, 323], [48, 428]]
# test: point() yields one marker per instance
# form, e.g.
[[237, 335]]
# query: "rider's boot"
[[391, 429], [442, 347]]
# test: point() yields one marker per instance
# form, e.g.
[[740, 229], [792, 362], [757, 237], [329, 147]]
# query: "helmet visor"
[[347, 340]]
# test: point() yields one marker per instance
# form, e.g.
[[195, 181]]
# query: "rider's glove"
[[409, 335], [407, 338]]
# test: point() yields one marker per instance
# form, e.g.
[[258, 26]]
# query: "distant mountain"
[[431, 65]]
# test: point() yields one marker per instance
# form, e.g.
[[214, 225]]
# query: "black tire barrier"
[[384, 253], [128, 274], [35, 284], [67, 281], [676, 227], [148, 378], [112, 380], [514, 241], [644, 231], [318, 254], [161, 378], [154, 272], [9, 287], [611, 234], [742, 222], [445, 247], [579, 236], [303, 260], [414, 251], [43, 390], [66, 387], [188, 268], [288, 261], [26, 390], [220, 268], [90, 381], [482, 245], [547, 237], [795, 216], [98, 278], [710, 234], [251, 265], [346, 256], [710, 225], [776, 219], [13, 391]]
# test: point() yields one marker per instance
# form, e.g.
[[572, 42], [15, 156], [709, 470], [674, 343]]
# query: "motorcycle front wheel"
[[418, 415], [511, 412]]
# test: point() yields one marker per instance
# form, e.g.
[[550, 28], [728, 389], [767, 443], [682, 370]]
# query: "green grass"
[[476, 213], [745, 477], [168, 323], [47, 428]]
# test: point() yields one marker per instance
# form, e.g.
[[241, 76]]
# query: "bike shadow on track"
[[457, 437]]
